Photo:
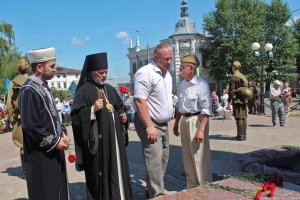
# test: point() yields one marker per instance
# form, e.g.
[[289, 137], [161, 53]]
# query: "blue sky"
[[80, 27]]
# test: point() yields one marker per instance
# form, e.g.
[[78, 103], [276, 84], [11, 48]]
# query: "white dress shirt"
[[58, 106], [151, 84], [194, 96]]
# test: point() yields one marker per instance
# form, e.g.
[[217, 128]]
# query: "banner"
[[198, 71], [7, 83]]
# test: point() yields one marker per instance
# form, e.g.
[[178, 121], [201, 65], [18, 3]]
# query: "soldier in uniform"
[[237, 98], [13, 108]]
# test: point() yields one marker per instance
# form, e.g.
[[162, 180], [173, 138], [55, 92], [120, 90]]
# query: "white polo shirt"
[[156, 88], [274, 92], [194, 96]]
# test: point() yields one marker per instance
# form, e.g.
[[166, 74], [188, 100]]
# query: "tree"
[[296, 33], [9, 55], [7, 37], [281, 36], [236, 24], [61, 94]]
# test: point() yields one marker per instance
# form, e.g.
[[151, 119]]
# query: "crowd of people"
[[99, 115]]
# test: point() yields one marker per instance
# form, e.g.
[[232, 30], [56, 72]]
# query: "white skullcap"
[[41, 55], [277, 82], [56, 99]]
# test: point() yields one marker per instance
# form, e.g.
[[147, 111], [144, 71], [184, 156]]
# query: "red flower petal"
[[72, 158], [258, 195]]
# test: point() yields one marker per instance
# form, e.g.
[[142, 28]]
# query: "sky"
[[81, 27]]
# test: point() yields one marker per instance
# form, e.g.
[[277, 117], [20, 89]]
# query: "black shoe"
[[147, 193], [237, 138]]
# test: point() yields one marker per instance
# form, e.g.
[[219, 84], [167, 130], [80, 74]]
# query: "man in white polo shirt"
[[154, 106]]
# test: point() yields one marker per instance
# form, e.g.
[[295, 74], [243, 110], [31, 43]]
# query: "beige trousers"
[[196, 157]]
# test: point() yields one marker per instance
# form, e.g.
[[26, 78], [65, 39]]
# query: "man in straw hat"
[[13, 108], [97, 118], [44, 136], [239, 103], [276, 104], [194, 110]]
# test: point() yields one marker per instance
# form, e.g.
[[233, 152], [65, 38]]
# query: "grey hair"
[[161, 46]]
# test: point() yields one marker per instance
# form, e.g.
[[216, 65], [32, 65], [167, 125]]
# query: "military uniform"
[[257, 98], [13, 108], [239, 104]]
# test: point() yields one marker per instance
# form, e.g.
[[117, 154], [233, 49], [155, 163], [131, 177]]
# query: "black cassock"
[[99, 153], [42, 130]]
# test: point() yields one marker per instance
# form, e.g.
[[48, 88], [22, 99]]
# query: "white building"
[[184, 40], [63, 78]]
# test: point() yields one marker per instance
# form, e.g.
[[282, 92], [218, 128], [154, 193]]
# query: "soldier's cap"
[[42, 55], [23, 65], [237, 64], [189, 58]]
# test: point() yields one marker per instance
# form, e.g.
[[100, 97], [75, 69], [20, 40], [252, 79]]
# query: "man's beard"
[[98, 81]]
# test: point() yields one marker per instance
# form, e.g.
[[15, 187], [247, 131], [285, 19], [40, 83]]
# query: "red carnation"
[[72, 158], [258, 195], [272, 186], [271, 194], [265, 186]]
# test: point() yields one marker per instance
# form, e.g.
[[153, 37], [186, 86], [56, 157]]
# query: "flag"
[[7, 83], [198, 71]]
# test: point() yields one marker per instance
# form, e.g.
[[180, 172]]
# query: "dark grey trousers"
[[156, 155], [277, 107]]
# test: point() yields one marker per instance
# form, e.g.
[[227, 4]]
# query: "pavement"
[[261, 135]]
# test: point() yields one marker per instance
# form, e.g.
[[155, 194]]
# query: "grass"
[[287, 147]]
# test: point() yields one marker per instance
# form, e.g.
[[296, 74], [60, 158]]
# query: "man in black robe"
[[97, 120], [44, 136]]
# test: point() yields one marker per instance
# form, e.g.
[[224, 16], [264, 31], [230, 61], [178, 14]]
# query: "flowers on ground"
[[269, 186]]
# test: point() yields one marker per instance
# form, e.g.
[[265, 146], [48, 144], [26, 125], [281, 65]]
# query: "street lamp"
[[66, 76], [268, 48], [147, 43]]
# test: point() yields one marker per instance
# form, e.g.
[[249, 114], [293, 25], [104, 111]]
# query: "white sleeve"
[[141, 86], [93, 117], [205, 99]]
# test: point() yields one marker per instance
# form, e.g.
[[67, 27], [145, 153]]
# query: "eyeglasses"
[[183, 67], [167, 59]]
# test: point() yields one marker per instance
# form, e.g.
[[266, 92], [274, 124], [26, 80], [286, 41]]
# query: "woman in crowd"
[[286, 99], [224, 98], [215, 103], [128, 103]]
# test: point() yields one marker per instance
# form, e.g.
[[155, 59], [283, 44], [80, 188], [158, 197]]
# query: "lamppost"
[[147, 43], [66, 76], [268, 48]]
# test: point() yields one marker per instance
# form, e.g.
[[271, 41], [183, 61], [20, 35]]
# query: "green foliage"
[[9, 67], [236, 24], [7, 37], [287, 147], [296, 32], [9, 55], [61, 94]]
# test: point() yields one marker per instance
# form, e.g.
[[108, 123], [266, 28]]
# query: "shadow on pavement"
[[260, 125], [21, 199], [220, 137], [13, 171]]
